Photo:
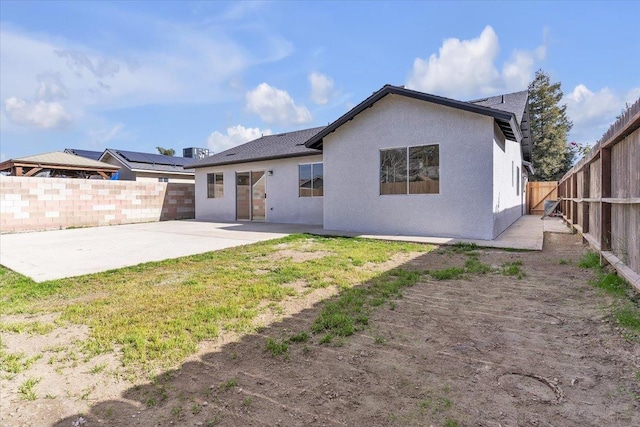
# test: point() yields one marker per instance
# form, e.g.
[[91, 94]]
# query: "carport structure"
[[58, 164]]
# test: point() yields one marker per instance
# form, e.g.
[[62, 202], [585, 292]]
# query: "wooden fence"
[[601, 195], [537, 193]]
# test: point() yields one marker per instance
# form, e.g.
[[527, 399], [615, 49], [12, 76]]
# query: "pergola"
[[57, 164]]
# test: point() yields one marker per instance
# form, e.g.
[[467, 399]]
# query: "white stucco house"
[[401, 162]]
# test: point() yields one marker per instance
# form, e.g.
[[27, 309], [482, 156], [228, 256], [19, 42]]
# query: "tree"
[[552, 156], [166, 151]]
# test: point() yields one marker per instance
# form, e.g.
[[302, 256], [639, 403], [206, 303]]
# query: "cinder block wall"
[[30, 204]]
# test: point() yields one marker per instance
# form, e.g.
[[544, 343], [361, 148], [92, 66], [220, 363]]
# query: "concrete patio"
[[57, 254]]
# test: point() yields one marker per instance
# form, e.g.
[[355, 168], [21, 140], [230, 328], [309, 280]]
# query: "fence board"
[[538, 192], [610, 176]]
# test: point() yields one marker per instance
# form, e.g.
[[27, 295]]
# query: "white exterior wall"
[[508, 197], [282, 204], [173, 177], [352, 177]]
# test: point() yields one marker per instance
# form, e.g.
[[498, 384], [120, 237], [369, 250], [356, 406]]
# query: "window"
[[517, 181], [215, 185], [163, 179], [311, 180], [412, 170]]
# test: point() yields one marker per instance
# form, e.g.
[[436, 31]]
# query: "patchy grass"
[[626, 306], [300, 337], [590, 260], [513, 269], [348, 312], [26, 389], [474, 266], [31, 328], [451, 273], [158, 312], [14, 363], [276, 348]]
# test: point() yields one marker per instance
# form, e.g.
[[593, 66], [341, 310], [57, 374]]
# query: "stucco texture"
[[463, 208], [282, 202]]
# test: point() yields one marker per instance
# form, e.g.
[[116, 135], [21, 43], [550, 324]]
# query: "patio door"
[[251, 191]]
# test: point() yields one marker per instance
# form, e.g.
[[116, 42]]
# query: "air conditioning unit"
[[195, 153]]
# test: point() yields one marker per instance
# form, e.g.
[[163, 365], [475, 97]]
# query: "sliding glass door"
[[250, 196]]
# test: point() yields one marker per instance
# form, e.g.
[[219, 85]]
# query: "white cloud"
[[41, 114], [188, 64], [321, 88], [99, 138], [50, 87], [274, 105], [593, 112], [236, 135], [466, 68]]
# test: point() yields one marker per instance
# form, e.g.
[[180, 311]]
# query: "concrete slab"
[[527, 233], [57, 254], [556, 225]]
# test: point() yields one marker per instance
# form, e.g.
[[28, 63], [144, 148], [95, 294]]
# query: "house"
[[59, 165], [136, 166], [401, 162], [89, 154]]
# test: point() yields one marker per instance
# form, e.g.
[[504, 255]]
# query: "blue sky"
[[136, 75]]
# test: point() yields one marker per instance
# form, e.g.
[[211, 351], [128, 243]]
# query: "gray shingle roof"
[[290, 144], [516, 103], [511, 102], [506, 120]]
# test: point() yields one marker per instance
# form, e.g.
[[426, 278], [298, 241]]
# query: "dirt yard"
[[485, 350]]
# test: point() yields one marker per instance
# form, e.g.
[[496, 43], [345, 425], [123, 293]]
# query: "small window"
[[163, 179], [412, 170], [215, 185], [517, 181], [311, 180]]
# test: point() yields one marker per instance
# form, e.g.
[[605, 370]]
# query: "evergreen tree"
[[552, 156], [166, 151]]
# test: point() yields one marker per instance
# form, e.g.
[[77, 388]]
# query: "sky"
[[137, 75]]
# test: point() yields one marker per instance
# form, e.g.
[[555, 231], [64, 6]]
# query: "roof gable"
[[58, 158], [506, 120], [283, 145]]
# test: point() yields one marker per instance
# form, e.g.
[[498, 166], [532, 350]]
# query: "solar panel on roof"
[[156, 159]]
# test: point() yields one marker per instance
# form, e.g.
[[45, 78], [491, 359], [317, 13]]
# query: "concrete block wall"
[[32, 204]]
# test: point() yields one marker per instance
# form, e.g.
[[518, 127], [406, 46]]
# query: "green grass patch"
[[27, 327], [451, 273], [626, 306], [589, 260], [229, 384], [513, 269], [474, 266], [158, 312], [276, 348], [26, 389], [300, 337], [348, 312]]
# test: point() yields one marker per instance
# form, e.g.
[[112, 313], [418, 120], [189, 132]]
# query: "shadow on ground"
[[487, 349]]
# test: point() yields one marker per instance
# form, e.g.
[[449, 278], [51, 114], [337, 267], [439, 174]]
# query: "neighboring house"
[[401, 162], [135, 166], [89, 154], [57, 164]]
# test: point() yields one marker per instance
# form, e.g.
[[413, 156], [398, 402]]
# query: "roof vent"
[[231, 154]]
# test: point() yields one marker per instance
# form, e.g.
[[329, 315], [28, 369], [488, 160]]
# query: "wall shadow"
[[244, 384]]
